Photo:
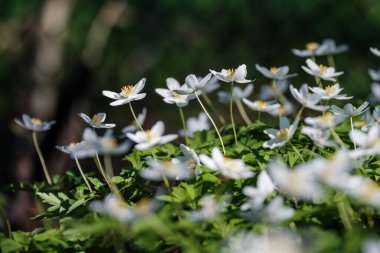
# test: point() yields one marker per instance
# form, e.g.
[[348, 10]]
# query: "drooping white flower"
[[270, 91], [279, 137], [279, 73], [276, 211], [173, 94], [320, 71], [324, 121], [329, 47], [299, 182], [209, 210], [375, 51], [368, 143], [134, 126], [232, 75], [307, 99], [258, 194], [310, 50], [262, 106], [375, 75], [330, 92], [320, 137], [149, 138], [34, 124], [97, 120], [196, 124], [349, 110], [230, 168], [237, 94], [128, 93], [171, 169]]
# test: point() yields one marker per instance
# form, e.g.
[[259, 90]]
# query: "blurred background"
[[56, 56]]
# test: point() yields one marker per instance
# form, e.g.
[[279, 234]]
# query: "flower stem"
[[46, 172], [231, 112], [243, 112], [344, 213], [337, 138], [212, 121], [183, 123], [82, 174], [134, 116], [353, 135], [297, 152], [101, 170], [109, 174], [208, 101]]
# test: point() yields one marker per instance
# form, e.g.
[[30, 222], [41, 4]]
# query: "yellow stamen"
[[274, 70], [96, 119], [330, 90], [110, 142], [283, 134], [312, 46], [326, 119], [261, 103], [36, 121], [230, 72], [127, 90], [323, 68]]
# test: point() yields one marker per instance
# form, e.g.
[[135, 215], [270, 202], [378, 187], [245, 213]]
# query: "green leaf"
[[9, 246]]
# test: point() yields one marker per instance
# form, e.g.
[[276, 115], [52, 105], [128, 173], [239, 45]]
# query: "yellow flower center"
[[73, 144], [149, 135], [362, 123], [230, 72], [143, 206], [283, 134], [327, 118], [36, 121], [96, 119], [110, 142], [281, 110], [127, 90], [330, 90], [323, 68], [312, 46], [261, 103], [274, 70]]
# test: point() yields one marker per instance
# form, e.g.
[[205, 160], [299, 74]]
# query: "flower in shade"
[[349, 110], [270, 91], [375, 88], [330, 92], [209, 210], [279, 73], [276, 211], [134, 127], [372, 120], [283, 110], [329, 47], [127, 94], [371, 245], [97, 120], [368, 143], [176, 93], [237, 94], [279, 137], [232, 75], [230, 168], [262, 106], [149, 138], [324, 121], [34, 124], [171, 169], [319, 136], [189, 156], [321, 71], [307, 99], [310, 50], [375, 51], [196, 124], [375, 75]]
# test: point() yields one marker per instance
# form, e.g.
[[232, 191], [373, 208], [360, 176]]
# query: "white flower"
[[373, 120], [237, 94], [328, 47], [371, 245], [310, 50], [321, 71], [275, 73], [211, 86], [258, 194], [324, 121], [364, 190], [375, 88], [307, 99], [276, 211], [116, 208], [171, 169], [196, 124], [375, 51], [232, 75], [330, 92], [128, 93], [194, 84], [134, 127], [283, 110], [280, 137], [97, 120], [375, 75], [298, 182], [230, 168], [262, 106], [320, 137], [349, 110], [150, 138], [190, 156], [172, 94], [368, 143], [270, 91], [210, 209], [34, 124]]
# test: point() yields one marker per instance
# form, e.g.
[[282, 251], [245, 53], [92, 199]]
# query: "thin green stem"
[[208, 101], [109, 174], [298, 116], [9, 228], [243, 113], [330, 60], [297, 152], [344, 214], [82, 174], [353, 135], [101, 169], [212, 122], [134, 116], [231, 112], [337, 138], [46, 172], [183, 123]]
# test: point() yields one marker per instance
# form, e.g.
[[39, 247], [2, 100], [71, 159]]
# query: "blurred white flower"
[[237, 94], [262, 106], [307, 99], [128, 93], [375, 89], [172, 95], [275, 73], [280, 137], [171, 169], [276, 211], [375, 51], [320, 71], [368, 143], [310, 50], [330, 92], [211, 86], [196, 124], [97, 120], [34, 124], [375, 75], [283, 110], [349, 110], [371, 120], [149, 138], [329, 47], [134, 126], [324, 121], [269, 91], [258, 194], [320, 137], [209, 210], [232, 75], [364, 190], [230, 168], [371, 245]]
